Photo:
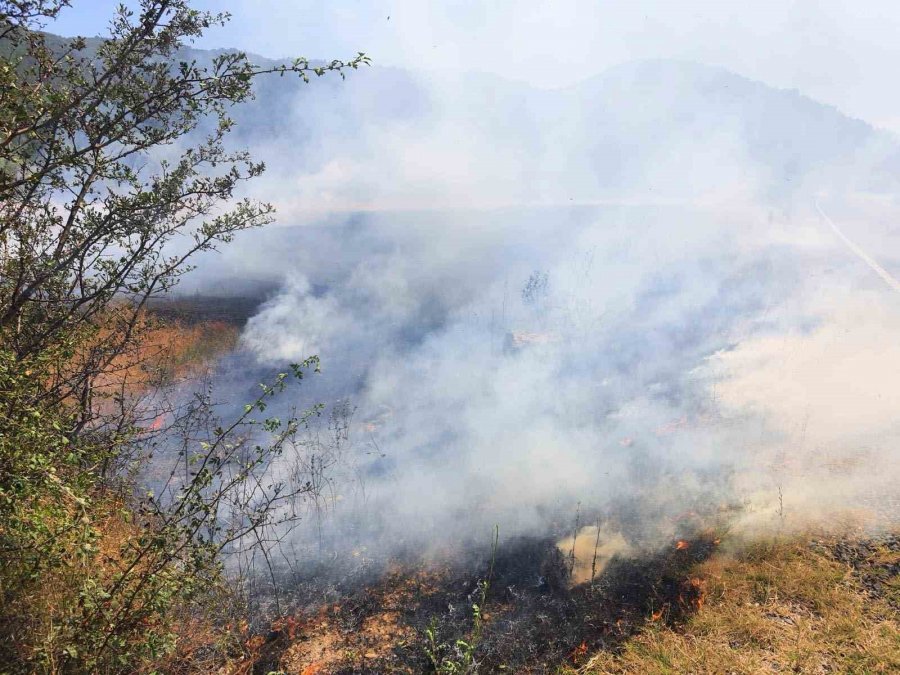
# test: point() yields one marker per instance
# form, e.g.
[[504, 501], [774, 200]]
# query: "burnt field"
[[520, 612], [201, 308], [808, 605]]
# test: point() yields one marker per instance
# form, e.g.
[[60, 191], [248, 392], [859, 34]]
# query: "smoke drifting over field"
[[613, 300]]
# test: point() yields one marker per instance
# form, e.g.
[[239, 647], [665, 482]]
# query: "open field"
[[808, 604]]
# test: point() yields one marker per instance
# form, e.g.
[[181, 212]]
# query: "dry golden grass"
[[166, 352], [48, 614], [87, 547], [47, 609], [771, 607]]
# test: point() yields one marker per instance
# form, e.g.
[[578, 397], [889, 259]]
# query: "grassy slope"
[[797, 606], [170, 350]]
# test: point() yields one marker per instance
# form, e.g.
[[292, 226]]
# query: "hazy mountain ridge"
[[651, 129], [789, 133], [638, 127]]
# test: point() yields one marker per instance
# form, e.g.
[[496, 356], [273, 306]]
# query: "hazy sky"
[[837, 51]]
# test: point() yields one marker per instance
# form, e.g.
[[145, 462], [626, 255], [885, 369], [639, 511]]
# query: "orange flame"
[[288, 624], [681, 545], [157, 423], [579, 651], [656, 616], [700, 587]]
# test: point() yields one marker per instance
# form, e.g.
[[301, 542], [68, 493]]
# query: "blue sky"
[[840, 52]]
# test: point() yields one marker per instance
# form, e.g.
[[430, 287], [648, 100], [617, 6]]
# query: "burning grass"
[[701, 603], [535, 615]]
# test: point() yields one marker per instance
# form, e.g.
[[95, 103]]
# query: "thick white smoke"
[[671, 323]]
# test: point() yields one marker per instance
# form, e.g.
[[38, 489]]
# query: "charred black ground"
[[874, 561], [533, 618], [196, 308]]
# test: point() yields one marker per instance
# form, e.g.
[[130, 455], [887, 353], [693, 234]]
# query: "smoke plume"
[[622, 292]]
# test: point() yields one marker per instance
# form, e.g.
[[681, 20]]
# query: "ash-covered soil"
[[874, 561], [532, 618]]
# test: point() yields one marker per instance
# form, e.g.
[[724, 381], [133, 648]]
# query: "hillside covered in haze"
[[323, 368], [653, 130]]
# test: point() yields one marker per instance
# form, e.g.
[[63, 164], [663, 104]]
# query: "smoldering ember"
[[522, 337]]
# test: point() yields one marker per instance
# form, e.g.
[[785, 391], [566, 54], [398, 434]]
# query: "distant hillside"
[[677, 128], [643, 106], [388, 137]]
